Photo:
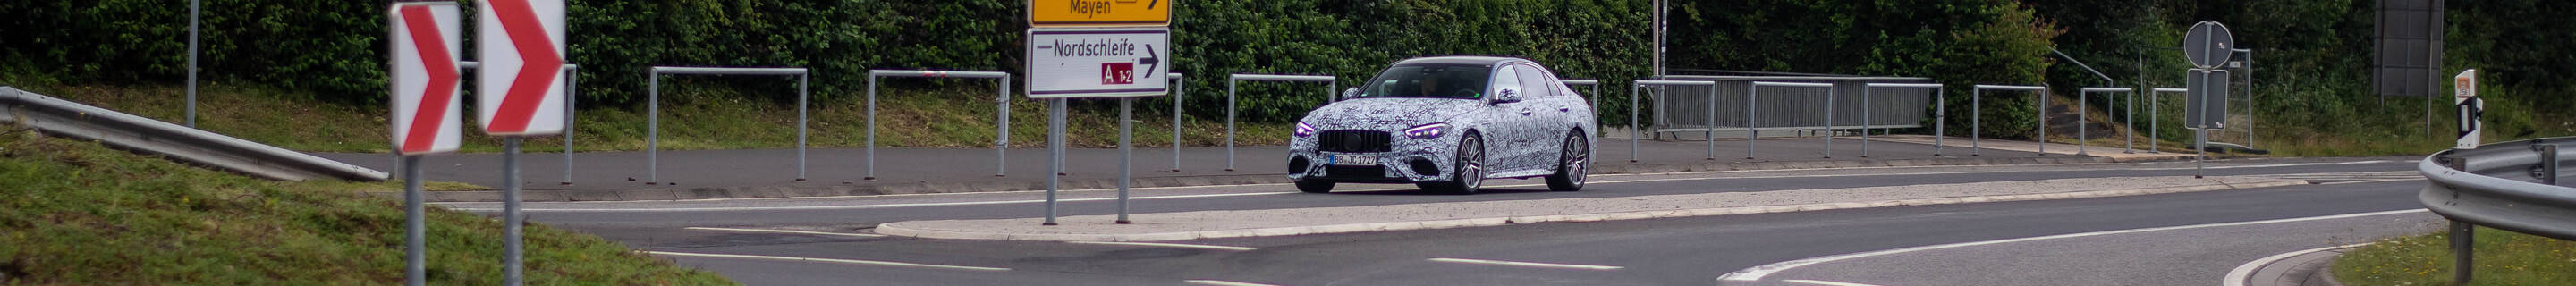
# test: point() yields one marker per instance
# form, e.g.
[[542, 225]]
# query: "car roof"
[[1471, 60]]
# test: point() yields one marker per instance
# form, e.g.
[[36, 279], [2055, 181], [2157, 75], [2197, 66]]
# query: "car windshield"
[[1429, 80]]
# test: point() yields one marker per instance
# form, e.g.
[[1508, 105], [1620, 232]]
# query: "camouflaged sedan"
[[1447, 124]]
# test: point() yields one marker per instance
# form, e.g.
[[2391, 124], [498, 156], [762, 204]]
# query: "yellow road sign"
[[1060, 13]]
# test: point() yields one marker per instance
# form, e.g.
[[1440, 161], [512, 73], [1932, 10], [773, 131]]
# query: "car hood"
[[1388, 114]]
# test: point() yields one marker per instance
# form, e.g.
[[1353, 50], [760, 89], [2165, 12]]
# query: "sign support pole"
[[415, 241], [1055, 155], [1126, 164], [511, 219]]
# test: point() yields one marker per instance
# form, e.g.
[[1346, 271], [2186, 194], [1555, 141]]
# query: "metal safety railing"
[[1976, 124], [1940, 113], [653, 112], [1802, 109], [1001, 107], [2510, 186], [1639, 87], [1330, 94], [2083, 100], [126, 131], [1753, 98]]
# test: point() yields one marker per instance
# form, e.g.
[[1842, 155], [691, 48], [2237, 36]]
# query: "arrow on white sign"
[[424, 85], [522, 60]]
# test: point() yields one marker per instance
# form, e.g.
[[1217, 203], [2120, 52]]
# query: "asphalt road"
[[1680, 251]]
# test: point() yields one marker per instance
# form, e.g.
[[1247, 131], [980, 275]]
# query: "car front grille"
[[1354, 141]]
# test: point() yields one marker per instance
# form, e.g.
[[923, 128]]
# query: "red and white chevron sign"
[[425, 78], [521, 43]]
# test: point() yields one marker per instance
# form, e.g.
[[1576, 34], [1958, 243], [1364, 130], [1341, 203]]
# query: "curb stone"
[[895, 229], [700, 193]]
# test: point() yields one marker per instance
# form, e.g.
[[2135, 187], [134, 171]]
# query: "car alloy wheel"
[[1571, 164]]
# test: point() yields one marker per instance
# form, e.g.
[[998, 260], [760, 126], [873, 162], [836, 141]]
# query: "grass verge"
[[78, 213], [2503, 258], [693, 117]]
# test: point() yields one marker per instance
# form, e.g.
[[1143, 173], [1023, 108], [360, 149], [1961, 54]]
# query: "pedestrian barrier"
[[1753, 98], [2084, 100], [1177, 94], [1939, 113], [1639, 134], [1975, 122], [653, 112], [1330, 95], [1001, 107], [2487, 186], [1798, 110]]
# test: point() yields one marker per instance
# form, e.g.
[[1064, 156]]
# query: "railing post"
[[2463, 238], [2547, 169]]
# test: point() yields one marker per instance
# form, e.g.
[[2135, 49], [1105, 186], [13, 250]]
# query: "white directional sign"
[[521, 44], [2472, 108], [1070, 63], [424, 82]]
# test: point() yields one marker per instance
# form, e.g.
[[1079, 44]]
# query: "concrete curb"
[[898, 230], [666, 194]]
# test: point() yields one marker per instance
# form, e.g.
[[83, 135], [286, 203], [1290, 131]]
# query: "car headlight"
[[1426, 131], [1304, 130]]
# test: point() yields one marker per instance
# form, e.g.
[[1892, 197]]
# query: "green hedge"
[[334, 48]]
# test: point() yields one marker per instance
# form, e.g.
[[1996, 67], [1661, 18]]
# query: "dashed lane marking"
[[783, 231], [1225, 283], [1757, 272], [1829, 283], [849, 261], [1526, 264], [1172, 245]]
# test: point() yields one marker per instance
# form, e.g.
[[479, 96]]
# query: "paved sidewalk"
[[1282, 222], [768, 173]]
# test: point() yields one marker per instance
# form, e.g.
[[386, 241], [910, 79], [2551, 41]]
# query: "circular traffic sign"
[[2208, 45]]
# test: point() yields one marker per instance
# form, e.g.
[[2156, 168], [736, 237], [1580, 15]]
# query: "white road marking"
[[1830, 283], [2371, 181], [872, 206], [1527, 264], [783, 231], [1756, 273], [1226, 283], [850, 261], [841, 207], [1174, 245], [2238, 276]]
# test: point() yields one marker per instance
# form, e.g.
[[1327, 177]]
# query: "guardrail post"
[[2463, 238], [2547, 169]]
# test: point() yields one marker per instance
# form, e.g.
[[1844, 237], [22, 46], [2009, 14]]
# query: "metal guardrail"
[[126, 131], [2510, 186]]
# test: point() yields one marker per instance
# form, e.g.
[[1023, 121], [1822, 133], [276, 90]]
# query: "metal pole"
[[192, 63], [1829, 123], [511, 257], [1976, 120], [2043, 121], [1864, 120], [2249, 98], [1177, 95], [1634, 134], [1752, 97], [1229, 125], [2082, 100], [1126, 165], [1748, 122], [2130, 124], [872, 127], [653, 129], [1941, 118], [1055, 155], [2463, 251], [415, 240], [1002, 126], [571, 81], [801, 96]]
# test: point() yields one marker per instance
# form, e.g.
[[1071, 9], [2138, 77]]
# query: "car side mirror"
[[1508, 95], [1348, 93]]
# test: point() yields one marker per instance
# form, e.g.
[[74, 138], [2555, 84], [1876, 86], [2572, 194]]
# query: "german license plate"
[[1353, 160]]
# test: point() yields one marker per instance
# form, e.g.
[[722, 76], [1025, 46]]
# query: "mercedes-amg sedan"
[[1447, 124]]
